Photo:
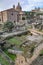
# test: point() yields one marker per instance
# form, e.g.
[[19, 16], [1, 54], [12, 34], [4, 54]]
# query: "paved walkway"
[[35, 54], [35, 31]]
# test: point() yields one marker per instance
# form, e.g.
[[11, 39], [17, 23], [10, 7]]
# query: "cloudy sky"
[[26, 4]]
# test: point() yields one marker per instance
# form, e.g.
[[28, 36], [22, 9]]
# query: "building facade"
[[14, 14]]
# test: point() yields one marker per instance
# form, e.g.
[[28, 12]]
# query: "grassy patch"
[[3, 61], [14, 41], [12, 56], [41, 53]]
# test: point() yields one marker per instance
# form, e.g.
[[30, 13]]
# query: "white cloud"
[[33, 3], [26, 4]]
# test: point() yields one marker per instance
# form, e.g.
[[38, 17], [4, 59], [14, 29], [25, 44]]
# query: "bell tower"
[[14, 6], [18, 8]]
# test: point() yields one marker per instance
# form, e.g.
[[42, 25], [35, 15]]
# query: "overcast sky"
[[27, 5]]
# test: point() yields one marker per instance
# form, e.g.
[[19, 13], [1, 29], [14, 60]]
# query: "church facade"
[[14, 14]]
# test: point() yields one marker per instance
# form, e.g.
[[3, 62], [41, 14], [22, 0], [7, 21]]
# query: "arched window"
[[12, 14], [23, 18], [0, 19], [14, 21]]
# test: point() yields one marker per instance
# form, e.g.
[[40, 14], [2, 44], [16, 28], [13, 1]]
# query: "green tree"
[[8, 26]]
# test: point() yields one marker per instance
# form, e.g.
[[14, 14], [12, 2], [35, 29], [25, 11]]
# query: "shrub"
[[8, 26], [41, 53]]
